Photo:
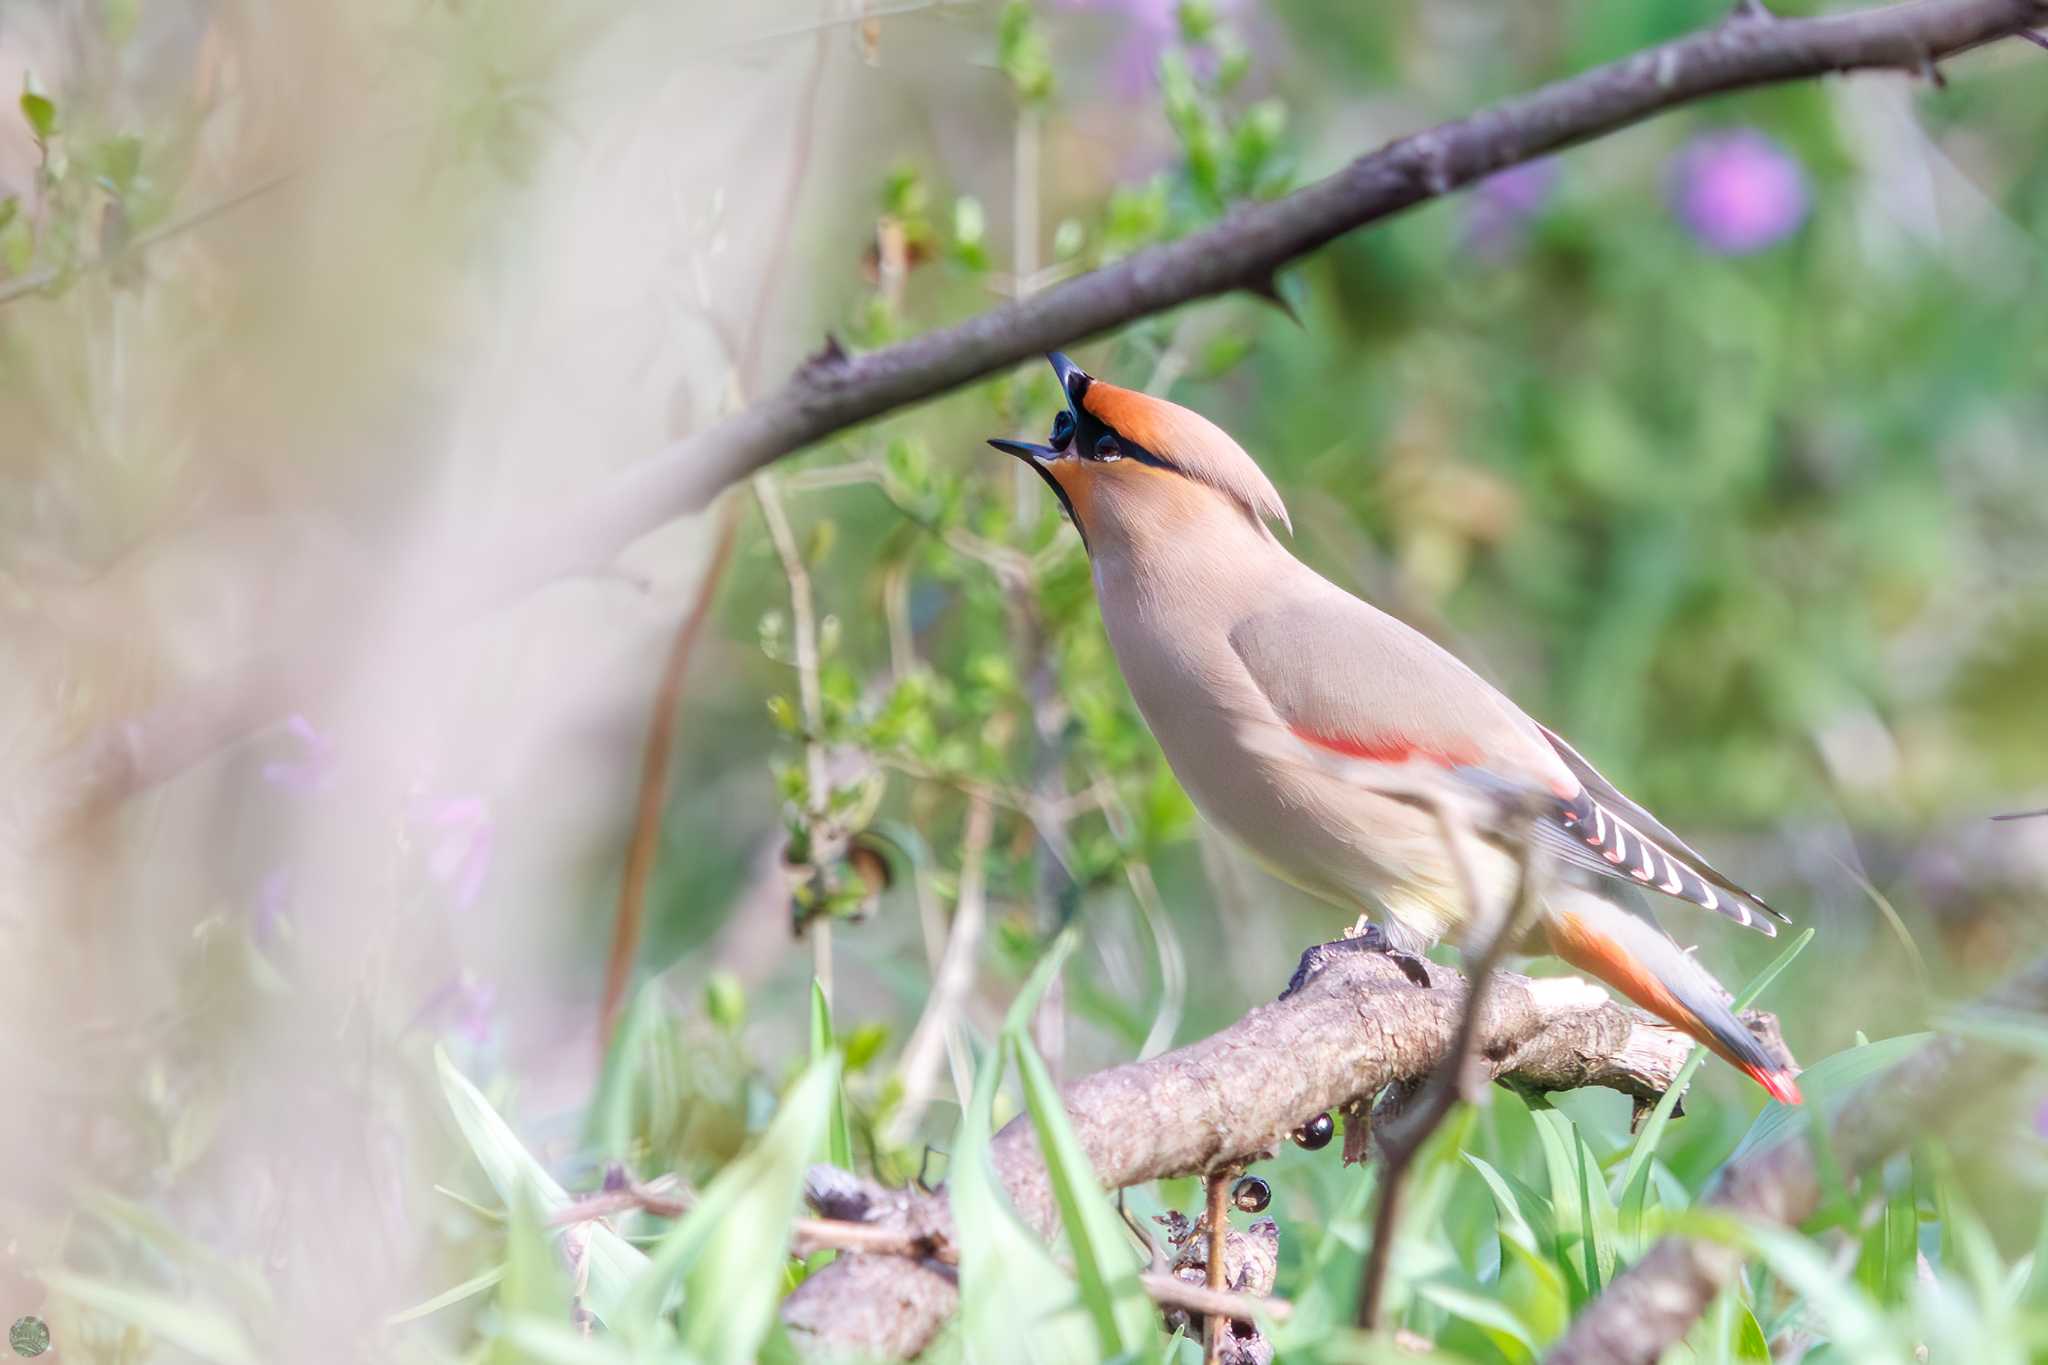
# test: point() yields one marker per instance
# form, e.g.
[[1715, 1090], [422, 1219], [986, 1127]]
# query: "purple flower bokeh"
[[462, 1006], [311, 769], [463, 834], [1152, 26], [1738, 191], [1504, 204]]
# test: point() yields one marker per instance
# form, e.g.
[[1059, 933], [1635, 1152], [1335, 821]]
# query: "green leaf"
[[614, 1262], [840, 1150], [1584, 1192], [1826, 1084], [1531, 1284], [1634, 1181], [1509, 1334], [608, 1130], [1857, 1328], [468, 1289], [554, 1342], [533, 1284], [2015, 1032], [120, 162], [1104, 1259], [1016, 1304], [40, 113], [730, 1250], [2035, 1294], [147, 1225], [1018, 1017], [194, 1328], [1751, 1347], [1021, 52]]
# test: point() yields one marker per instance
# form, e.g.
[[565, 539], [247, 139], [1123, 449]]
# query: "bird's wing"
[[1347, 677], [1605, 831]]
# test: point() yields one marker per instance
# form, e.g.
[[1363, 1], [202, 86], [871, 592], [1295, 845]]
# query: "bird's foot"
[[1362, 937]]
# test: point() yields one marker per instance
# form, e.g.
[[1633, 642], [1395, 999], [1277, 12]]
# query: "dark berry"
[[1316, 1133], [1251, 1194]]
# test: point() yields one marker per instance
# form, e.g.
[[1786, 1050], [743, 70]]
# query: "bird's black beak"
[[1073, 379], [1028, 451]]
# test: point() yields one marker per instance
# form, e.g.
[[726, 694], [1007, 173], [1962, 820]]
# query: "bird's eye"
[[1062, 430], [1106, 447]]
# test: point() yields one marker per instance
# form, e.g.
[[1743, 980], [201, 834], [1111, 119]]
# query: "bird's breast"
[[1200, 702]]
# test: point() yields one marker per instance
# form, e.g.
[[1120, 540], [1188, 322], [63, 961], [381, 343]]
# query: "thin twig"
[[1401, 1141], [803, 614], [955, 975], [666, 1197], [44, 276], [1170, 1291], [1216, 1325], [654, 764]]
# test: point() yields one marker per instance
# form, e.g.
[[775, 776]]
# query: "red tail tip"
[[1783, 1088]]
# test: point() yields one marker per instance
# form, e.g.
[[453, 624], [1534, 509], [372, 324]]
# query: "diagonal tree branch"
[[1652, 1305], [834, 391], [1353, 1024]]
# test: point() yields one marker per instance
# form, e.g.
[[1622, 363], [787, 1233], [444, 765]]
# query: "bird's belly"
[[1304, 827]]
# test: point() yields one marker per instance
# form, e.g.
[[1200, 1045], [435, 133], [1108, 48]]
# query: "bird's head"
[[1122, 462]]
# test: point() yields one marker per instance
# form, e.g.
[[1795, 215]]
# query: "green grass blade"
[[1826, 1084], [1015, 1302], [1040, 980], [840, 1151], [197, 1329], [1531, 1286], [1104, 1260], [614, 1263], [1568, 1234], [248, 1287], [1508, 1333], [1653, 1127], [729, 1251], [550, 1341], [2015, 1032], [468, 1289], [533, 1284], [1857, 1328], [609, 1129]]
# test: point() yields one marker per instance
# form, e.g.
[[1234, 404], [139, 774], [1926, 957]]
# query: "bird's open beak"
[[1074, 382], [1029, 451], [1073, 379]]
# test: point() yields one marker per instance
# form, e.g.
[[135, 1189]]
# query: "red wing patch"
[[1387, 749]]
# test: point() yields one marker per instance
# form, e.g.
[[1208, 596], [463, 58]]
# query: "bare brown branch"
[[835, 391], [1354, 1024]]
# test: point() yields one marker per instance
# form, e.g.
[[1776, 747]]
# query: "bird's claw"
[[1362, 937]]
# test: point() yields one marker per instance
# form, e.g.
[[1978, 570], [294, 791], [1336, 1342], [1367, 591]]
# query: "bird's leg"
[[1362, 937]]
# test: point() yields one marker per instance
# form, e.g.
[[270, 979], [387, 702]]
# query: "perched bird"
[[1224, 636]]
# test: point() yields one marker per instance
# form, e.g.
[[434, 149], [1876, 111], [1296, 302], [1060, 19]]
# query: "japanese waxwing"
[[1227, 640]]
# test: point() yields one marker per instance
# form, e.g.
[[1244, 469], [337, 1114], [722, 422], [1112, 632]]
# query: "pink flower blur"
[[1738, 191]]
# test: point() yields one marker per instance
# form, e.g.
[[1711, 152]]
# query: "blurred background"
[[1716, 444]]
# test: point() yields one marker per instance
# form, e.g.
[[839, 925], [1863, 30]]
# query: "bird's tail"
[[1630, 955]]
